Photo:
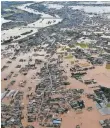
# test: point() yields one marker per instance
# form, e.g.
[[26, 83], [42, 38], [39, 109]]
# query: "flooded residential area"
[[55, 64]]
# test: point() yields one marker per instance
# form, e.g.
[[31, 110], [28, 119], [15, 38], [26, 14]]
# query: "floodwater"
[[4, 20], [87, 40], [86, 119], [43, 22], [23, 7], [55, 6], [93, 9], [5, 34]]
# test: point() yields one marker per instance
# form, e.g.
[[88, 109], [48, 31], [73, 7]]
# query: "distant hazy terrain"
[[27, 15]]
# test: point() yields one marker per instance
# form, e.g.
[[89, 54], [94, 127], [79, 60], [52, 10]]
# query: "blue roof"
[[56, 121]]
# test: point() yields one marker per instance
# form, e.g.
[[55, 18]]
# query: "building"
[[108, 65], [57, 121]]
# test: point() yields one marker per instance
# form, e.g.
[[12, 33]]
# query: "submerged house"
[[56, 122], [108, 65]]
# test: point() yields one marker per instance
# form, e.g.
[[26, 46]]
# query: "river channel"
[[43, 22]]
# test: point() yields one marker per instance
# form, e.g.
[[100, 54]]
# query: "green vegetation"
[[40, 7], [66, 83], [78, 77], [70, 33], [7, 15], [108, 105], [72, 46], [73, 34], [8, 7], [106, 92], [83, 45], [25, 33], [88, 56], [62, 49], [67, 48], [72, 62], [69, 57], [12, 12], [18, 11], [101, 51]]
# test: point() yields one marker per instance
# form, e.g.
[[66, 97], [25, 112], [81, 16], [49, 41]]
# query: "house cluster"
[[12, 113], [105, 123], [51, 98]]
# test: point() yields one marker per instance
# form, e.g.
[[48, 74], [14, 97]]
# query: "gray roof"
[[104, 111]]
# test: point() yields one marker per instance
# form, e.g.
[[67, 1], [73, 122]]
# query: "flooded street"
[[55, 76]]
